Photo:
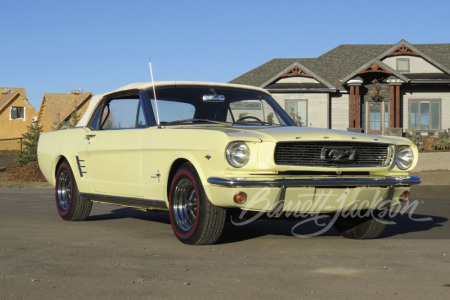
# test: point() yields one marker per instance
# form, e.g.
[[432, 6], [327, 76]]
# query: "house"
[[16, 113], [59, 110], [381, 89]]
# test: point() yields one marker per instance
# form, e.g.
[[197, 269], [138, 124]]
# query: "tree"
[[29, 145], [70, 122], [57, 124], [74, 118]]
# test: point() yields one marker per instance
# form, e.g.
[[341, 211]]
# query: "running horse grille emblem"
[[338, 154]]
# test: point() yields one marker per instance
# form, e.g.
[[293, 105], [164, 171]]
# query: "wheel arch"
[[173, 169], [200, 168], [58, 161]]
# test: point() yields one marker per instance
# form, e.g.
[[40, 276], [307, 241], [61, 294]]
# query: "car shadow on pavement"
[[417, 226], [404, 226], [126, 213]]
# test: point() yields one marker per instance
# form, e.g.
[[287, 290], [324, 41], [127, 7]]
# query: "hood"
[[283, 134]]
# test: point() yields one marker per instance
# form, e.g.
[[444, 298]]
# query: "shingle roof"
[[5, 98], [56, 107], [339, 62], [261, 74]]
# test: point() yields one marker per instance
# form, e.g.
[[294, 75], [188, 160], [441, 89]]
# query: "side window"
[[141, 122], [125, 113]]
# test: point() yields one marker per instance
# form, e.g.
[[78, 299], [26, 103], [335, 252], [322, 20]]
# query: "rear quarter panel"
[[62, 144]]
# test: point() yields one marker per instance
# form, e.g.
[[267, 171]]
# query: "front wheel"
[[368, 226], [195, 220], [71, 206]]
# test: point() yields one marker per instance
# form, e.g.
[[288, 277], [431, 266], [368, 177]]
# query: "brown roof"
[[7, 97], [59, 106]]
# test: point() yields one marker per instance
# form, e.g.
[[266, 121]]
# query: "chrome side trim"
[[330, 182], [80, 166], [126, 201]]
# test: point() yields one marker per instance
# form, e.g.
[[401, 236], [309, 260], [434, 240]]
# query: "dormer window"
[[17, 113], [403, 65]]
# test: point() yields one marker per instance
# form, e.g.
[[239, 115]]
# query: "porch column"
[[354, 104], [357, 107], [397, 106], [392, 108], [351, 111]]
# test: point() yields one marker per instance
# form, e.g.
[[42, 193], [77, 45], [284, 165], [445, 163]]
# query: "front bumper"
[[321, 195], [320, 182]]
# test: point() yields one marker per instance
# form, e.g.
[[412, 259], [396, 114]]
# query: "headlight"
[[237, 154], [404, 157]]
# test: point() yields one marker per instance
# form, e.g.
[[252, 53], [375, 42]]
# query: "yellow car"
[[202, 150]]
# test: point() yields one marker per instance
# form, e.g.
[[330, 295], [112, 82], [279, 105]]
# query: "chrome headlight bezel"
[[237, 154], [404, 157]]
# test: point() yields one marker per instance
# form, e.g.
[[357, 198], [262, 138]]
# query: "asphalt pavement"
[[120, 253]]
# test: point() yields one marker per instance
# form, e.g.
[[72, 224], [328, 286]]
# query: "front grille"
[[333, 154]]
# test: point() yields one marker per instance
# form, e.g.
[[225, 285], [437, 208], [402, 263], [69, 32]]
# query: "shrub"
[[413, 136], [29, 146], [442, 144]]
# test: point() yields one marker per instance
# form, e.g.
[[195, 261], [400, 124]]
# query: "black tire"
[[195, 220], [369, 226], [70, 205]]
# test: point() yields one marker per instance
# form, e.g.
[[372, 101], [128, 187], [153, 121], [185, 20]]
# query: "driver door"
[[114, 148]]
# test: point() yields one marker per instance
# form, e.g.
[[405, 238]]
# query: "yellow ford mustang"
[[201, 150]]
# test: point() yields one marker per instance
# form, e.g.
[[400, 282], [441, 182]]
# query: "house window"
[[425, 114], [298, 111], [403, 64], [386, 115], [17, 112]]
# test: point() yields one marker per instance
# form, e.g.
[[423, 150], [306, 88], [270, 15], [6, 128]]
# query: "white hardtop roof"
[[148, 85]]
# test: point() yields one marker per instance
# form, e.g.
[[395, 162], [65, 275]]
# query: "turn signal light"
[[240, 198], [404, 196]]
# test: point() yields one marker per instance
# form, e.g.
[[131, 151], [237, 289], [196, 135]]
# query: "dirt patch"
[[6, 158], [28, 176]]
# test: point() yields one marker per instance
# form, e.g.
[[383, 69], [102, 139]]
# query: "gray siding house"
[[380, 89]]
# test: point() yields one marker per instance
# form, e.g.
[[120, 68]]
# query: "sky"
[[49, 46]]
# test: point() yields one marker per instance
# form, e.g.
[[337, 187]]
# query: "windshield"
[[189, 105]]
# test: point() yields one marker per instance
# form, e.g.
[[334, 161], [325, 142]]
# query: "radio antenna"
[[154, 93]]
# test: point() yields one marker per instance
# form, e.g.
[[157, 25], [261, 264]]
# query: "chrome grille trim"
[[367, 154]]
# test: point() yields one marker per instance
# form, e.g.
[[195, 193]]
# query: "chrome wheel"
[[70, 204], [195, 220], [185, 204], [64, 191]]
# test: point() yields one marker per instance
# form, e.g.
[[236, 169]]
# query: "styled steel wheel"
[[195, 220], [185, 204], [71, 206], [64, 191]]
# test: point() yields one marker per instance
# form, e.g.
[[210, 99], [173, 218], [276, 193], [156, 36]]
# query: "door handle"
[[89, 136]]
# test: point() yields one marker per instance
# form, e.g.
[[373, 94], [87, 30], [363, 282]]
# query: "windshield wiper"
[[193, 121]]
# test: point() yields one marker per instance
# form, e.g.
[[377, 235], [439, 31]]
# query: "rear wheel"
[[195, 220], [71, 206], [369, 226]]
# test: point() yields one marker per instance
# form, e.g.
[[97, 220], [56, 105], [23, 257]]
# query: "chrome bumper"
[[327, 182]]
